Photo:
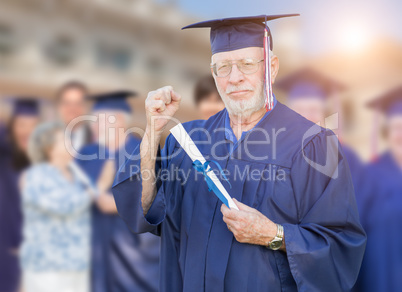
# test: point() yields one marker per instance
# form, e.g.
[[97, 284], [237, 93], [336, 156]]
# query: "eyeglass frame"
[[234, 62]]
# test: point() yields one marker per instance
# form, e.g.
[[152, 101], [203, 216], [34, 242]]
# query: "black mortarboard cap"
[[389, 103], [114, 100], [228, 34], [27, 106], [308, 82]]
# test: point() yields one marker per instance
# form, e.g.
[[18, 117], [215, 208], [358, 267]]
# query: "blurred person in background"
[[308, 92], [4, 147], [121, 260], [13, 159], [71, 104], [56, 200], [24, 120], [380, 204], [207, 98]]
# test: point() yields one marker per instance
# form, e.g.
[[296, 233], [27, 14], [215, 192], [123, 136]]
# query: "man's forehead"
[[251, 52]]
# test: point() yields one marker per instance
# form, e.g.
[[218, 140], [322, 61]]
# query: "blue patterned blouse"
[[56, 221]]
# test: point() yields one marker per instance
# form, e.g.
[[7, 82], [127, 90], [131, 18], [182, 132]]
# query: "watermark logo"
[[110, 131]]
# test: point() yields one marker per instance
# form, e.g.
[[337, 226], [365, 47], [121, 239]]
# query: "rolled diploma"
[[192, 151]]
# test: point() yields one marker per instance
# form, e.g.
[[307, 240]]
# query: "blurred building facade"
[[133, 44]]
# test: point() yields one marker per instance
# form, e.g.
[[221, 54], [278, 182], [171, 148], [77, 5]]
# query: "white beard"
[[243, 108]]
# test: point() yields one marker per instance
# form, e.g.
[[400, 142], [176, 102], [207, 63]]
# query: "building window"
[[155, 65], [61, 50], [114, 56], [7, 40]]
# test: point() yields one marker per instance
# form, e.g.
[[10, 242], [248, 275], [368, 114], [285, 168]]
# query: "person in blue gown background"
[[9, 237], [13, 160], [380, 204], [121, 261], [308, 93]]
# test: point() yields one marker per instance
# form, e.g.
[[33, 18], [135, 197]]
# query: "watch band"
[[276, 243], [280, 231]]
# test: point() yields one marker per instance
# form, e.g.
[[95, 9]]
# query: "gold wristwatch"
[[276, 243]]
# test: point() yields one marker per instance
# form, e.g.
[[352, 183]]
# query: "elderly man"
[[297, 227]]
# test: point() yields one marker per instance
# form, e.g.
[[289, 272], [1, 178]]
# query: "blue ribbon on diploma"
[[203, 168]]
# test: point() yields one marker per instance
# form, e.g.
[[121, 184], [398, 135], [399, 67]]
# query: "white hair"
[[42, 140]]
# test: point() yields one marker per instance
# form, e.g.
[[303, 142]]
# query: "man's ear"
[[213, 75], [274, 68]]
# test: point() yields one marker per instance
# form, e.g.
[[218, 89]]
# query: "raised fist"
[[160, 107]]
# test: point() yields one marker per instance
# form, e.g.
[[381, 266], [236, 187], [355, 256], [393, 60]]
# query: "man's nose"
[[236, 75]]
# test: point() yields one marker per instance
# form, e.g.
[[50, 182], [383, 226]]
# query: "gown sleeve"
[[127, 192], [325, 246]]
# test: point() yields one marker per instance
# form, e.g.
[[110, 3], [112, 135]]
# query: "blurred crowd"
[[59, 226]]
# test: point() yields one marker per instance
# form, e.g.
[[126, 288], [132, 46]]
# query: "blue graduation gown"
[[121, 261], [380, 205], [324, 239], [355, 165], [10, 219]]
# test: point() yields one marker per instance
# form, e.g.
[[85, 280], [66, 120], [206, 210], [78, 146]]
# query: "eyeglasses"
[[246, 66]]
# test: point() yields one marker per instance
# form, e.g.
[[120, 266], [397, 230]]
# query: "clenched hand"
[[248, 225]]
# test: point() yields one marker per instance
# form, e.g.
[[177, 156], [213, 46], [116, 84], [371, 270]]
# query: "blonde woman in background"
[[56, 200]]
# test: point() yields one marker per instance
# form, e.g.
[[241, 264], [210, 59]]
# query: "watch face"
[[275, 244]]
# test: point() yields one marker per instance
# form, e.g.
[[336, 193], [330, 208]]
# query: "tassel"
[[269, 99]]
